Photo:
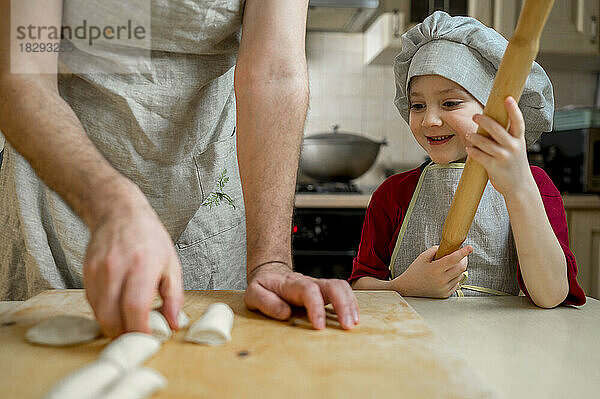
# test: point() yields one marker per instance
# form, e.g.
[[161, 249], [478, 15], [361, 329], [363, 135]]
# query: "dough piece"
[[214, 327], [139, 383], [64, 330], [159, 326], [131, 349], [87, 382], [183, 319]]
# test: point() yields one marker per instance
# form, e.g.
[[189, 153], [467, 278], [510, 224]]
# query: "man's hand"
[[430, 278], [273, 287], [129, 257], [130, 254]]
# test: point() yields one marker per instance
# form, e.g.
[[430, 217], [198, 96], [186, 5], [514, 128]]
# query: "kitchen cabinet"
[[382, 38], [583, 220], [572, 28], [571, 38]]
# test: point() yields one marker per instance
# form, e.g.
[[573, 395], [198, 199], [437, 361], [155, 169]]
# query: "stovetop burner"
[[327, 188]]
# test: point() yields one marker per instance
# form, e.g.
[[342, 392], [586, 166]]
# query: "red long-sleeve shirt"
[[388, 207]]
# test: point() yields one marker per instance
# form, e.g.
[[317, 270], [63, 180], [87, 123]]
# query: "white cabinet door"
[[584, 240], [572, 28]]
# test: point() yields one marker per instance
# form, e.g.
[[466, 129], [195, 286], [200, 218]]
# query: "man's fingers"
[[271, 292], [136, 298], [339, 293], [311, 298], [103, 285], [455, 257], [171, 292], [260, 298]]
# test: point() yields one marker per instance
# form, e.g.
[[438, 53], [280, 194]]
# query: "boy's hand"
[[426, 277], [504, 153]]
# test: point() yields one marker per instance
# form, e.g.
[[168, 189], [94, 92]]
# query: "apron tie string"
[[484, 290]]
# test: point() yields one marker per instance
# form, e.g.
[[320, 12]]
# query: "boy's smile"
[[438, 140], [441, 113]]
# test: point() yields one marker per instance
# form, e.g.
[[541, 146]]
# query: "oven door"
[[325, 240]]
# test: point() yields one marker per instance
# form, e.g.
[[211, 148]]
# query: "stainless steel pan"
[[337, 156]]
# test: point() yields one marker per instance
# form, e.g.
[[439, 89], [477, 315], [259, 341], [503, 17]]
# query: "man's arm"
[[271, 87], [130, 254]]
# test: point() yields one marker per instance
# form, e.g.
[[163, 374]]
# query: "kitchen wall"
[[360, 99], [572, 87]]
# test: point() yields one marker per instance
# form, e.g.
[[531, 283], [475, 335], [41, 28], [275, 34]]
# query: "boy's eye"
[[417, 107], [451, 104]]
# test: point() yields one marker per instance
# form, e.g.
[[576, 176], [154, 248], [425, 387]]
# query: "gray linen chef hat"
[[467, 52]]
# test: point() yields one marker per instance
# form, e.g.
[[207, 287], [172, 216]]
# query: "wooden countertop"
[[391, 353], [458, 347], [521, 350], [332, 200], [303, 200], [581, 201]]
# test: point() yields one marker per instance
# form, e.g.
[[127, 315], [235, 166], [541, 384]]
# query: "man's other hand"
[[273, 287]]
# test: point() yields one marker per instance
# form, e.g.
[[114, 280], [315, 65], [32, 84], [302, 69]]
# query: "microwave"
[[572, 159]]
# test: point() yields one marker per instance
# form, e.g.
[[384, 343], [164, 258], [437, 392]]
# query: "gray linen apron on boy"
[[171, 131], [492, 267]]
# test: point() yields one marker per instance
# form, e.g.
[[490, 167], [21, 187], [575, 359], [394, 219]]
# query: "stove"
[[327, 188]]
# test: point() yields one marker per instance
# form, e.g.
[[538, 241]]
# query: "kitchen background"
[[350, 46], [358, 96]]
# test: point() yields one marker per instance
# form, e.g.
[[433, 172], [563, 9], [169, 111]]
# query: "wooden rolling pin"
[[510, 80]]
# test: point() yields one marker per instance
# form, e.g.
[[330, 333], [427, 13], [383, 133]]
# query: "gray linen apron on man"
[[492, 267], [171, 131]]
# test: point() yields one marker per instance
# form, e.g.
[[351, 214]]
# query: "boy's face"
[[441, 115]]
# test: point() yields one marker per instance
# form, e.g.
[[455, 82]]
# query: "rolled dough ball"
[[87, 382], [138, 383], [131, 349], [64, 330], [159, 326], [183, 319], [214, 327]]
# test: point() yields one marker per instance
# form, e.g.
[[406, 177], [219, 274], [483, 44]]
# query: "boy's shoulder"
[[543, 181], [398, 187]]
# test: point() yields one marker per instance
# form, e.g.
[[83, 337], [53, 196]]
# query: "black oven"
[[325, 240], [572, 159]]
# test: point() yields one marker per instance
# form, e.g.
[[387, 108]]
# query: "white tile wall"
[[359, 98]]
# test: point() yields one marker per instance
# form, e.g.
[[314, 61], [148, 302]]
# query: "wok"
[[336, 156]]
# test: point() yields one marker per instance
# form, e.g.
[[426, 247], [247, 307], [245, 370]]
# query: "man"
[[103, 172]]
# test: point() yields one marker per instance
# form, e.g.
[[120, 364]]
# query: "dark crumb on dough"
[[243, 353], [8, 324]]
